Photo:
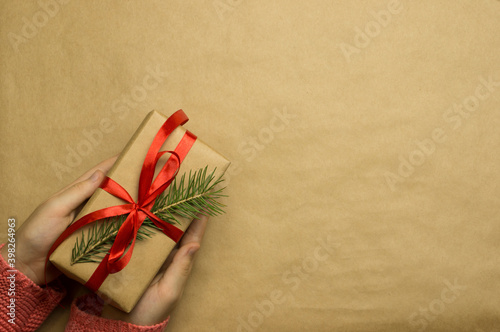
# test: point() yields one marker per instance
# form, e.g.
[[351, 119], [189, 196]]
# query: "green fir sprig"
[[184, 198]]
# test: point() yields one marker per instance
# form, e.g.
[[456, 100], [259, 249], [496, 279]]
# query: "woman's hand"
[[166, 289], [37, 234]]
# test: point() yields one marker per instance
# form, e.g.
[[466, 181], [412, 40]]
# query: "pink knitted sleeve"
[[25, 305], [85, 316]]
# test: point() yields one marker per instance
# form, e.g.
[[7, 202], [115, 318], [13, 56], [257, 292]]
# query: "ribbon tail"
[[100, 274], [170, 230], [119, 255], [115, 261]]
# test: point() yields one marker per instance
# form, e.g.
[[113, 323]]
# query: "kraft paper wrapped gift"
[[124, 289]]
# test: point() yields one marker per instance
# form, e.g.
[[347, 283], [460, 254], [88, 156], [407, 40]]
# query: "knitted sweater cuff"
[[28, 304]]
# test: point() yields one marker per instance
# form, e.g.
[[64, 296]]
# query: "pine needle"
[[184, 198]]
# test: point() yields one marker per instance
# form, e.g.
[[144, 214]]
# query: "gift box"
[[123, 289]]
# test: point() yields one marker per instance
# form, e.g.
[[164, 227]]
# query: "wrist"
[[18, 264], [109, 312], [145, 319]]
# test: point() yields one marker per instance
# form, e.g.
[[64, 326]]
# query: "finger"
[[169, 259], [195, 231], [164, 266], [103, 166], [193, 234], [64, 203], [175, 277]]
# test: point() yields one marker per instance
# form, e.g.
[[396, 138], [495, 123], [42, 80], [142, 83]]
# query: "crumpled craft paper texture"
[[364, 185]]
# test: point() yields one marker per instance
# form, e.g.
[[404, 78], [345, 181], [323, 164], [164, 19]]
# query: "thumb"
[[177, 274], [68, 200]]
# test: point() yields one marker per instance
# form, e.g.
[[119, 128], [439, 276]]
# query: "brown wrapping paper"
[[149, 254], [321, 176]]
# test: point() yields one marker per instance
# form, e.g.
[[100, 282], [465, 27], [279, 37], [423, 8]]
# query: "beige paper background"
[[317, 178]]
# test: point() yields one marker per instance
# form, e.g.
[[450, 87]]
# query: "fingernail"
[[95, 176]]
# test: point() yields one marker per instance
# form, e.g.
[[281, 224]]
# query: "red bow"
[[149, 190]]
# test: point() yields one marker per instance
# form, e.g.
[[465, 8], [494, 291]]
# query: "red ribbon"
[[118, 256]]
